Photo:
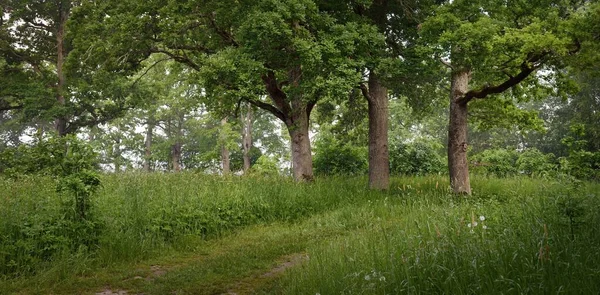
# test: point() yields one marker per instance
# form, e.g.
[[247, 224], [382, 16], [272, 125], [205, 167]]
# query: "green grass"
[[196, 234], [424, 245]]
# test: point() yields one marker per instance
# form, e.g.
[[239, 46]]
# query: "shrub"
[[497, 162], [535, 163], [71, 227], [335, 158], [583, 165], [419, 158], [265, 166]]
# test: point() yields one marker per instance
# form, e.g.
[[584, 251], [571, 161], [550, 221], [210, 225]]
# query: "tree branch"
[[5, 106], [267, 107], [527, 67], [447, 64], [148, 69], [227, 37], [182, 59], [365, 91], [276, 94]]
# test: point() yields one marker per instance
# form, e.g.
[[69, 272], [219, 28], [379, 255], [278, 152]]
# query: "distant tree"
[[281, 56], [39, 43]]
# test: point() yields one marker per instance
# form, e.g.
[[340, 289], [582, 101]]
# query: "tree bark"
[[457, 134], [176, 156], [379, 158], [247, 137], [117, 155], [295, 113], [225, 161], [298, 125], [148, 143], [176, 148], [60, 123]]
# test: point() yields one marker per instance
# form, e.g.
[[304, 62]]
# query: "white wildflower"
[[484, 227], [469, 225], [475, 223], [482, 218], [367, 278]]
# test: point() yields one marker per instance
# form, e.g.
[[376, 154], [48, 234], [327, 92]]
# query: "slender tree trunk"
[[60, 123], [117, 155], [225, 161], [457, 135], [64, 8], [148, 143], [247, 137], [176, 156], [379, 158], [176, 148], [302, 167]]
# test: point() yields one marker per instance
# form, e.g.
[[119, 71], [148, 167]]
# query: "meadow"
[[196, 234]]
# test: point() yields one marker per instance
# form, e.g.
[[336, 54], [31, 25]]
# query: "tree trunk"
[[295, 113], [148, 143], [176, 148], [457, 135], [302, 167], [379, 158], [117, 155], [60, 123], [247, 138], [176, 156], [225, 161]]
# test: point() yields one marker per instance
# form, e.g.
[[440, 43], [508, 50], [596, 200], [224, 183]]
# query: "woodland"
[[299, 146]]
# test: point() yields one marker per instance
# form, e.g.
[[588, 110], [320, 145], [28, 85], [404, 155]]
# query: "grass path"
[[238, 263]]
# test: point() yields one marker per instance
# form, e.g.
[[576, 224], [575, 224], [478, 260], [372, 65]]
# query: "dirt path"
[[245, 286], [248, 285]]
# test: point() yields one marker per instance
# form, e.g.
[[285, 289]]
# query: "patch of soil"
[[157, 271], [111, 292], [248, 285]]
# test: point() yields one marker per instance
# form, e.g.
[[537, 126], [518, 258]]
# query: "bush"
[[497, 162], [417, 158], [71, 227], [535, 163], [265, 166], [335, 158], [582, 165]]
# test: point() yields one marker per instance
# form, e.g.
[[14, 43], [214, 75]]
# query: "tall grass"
[[513, 236], [143, 214], [539, 236]]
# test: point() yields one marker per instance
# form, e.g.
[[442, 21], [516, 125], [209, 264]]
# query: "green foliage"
[[582, 164], [515, 235], [265, 166], [334, 157], [237, 160], [496, 162], [69, 226], [535, 163], [143, 214], [416, 158]]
